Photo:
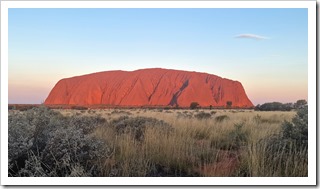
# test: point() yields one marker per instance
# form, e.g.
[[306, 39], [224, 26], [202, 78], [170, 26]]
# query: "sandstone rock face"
[[149, 87]]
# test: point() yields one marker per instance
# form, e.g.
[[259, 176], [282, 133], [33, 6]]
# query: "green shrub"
[[185, 115], [24, 107], [42, 142], [122, 112], [221, 118], [202, 115], [79, 108], [70, 147], [136, 125], [86, 123], [194, 105], [11, 107], [232, 140], [229, 104], [297, 131], [287, 152], [257, 118]]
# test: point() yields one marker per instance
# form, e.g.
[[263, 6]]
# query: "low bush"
[[185, 116], [235, 138], [290, 147], [213, 112], [221, 118], [79, 108], [23, 107], [86, 123], [136, 125], [121, 112], [11, 107], [42, 142], [69, 148], [258, 119], [194, 105], [202, 115]]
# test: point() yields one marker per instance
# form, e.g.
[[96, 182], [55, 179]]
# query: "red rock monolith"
[[149, 87]]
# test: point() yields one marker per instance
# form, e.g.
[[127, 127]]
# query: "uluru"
[[149, 87]]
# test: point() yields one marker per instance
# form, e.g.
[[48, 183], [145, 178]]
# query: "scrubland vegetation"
[[157, 142]]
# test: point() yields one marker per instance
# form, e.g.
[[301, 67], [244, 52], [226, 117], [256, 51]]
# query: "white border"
[[312, 92], [310, 180], [158, 4]]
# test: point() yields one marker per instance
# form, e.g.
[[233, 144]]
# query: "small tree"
[[229, 104], [194, 105], [300, 104], [210, 107]]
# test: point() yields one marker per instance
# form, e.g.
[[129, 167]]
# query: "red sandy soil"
[[227, 165]]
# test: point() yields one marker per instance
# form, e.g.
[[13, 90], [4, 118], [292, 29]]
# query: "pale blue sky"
[[46, 45]]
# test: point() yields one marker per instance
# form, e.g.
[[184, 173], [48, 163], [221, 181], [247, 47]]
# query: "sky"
[[265, 49]]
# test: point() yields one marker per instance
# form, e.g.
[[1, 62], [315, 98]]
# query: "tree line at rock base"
[[278, 106], [269, 106]]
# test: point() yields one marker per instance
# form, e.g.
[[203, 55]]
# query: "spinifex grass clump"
[[185, 115], [234, 139], [202, 115], [221, 118], [136, 125], [44, 143]]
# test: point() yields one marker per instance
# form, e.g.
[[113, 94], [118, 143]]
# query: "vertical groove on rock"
[[156, 87], [128, 91], [174, 100], [103, 91]]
